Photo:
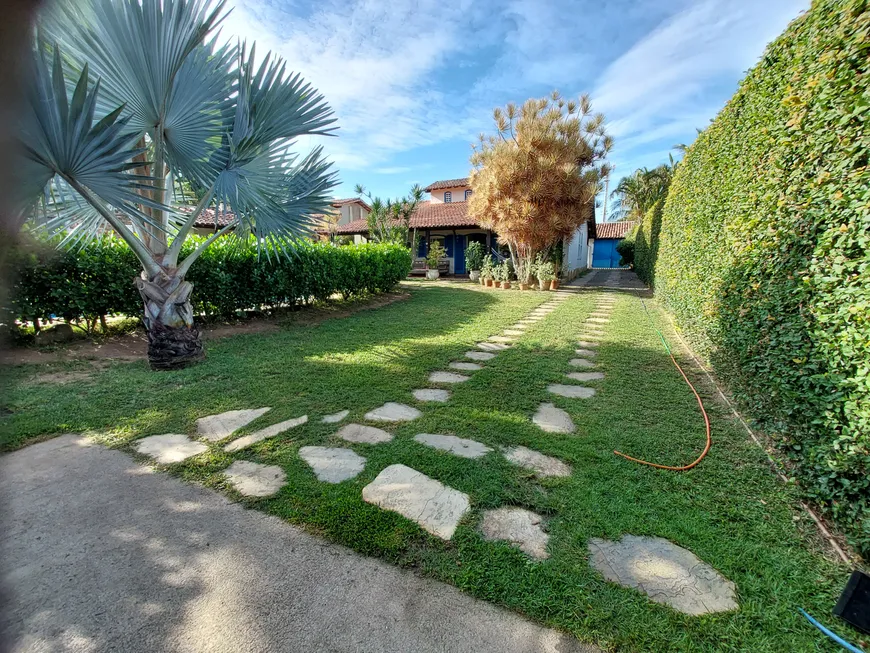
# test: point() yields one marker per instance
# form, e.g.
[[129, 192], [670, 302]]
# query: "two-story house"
[[444, 217]]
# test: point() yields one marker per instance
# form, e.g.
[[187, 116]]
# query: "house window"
[[448, 197], [467, 194]]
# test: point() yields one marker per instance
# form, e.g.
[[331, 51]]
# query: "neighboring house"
[[444, 216], [608, 235]]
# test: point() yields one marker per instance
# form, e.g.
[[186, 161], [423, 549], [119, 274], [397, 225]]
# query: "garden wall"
[[231, 276], [764, 256]]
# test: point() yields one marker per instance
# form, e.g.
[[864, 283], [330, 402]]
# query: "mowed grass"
[[730, 511]]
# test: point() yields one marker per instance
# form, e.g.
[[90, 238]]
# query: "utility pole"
[[606, 193]]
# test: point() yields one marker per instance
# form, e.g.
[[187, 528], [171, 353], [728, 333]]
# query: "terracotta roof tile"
[[350, 200], [613, 229], [429, 215], [446, 183]]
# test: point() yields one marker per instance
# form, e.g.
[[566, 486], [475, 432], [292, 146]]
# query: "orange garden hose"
[[700, 404]]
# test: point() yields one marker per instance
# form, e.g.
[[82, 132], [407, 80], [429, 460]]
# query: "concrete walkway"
[[100, 554], [611, 279]]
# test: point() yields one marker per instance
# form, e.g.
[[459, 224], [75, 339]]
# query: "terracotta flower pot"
[[554, 284], [524, 286], [489, 283], [543, 285], [506, 285]]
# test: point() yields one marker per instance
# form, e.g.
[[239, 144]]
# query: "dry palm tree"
[[125, 96]]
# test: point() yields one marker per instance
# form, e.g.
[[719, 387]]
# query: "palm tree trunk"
[[173, 340]]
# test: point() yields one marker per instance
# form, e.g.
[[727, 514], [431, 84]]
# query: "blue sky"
[[413, 82]]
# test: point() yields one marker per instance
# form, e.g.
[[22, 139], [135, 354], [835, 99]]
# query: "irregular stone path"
[[447, 377], [223, 425], [265, 434], [431, 394], [434, 506], [585, 376], [537, 462], [553, 420], [665, 572], [255, 480], [479, 355], [461, 447], [393, 412], [169, 448], [468, 367], [335, 417], [520, 527], [362, 434], [571, 391], [333, 464]]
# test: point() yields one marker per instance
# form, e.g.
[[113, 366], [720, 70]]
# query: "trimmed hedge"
[[765, 252], [646, 237], [98, 279]]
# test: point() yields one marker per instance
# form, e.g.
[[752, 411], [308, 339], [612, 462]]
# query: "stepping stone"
[[587, 343], [519, 326], [265, 434], [492, 346], [597, 320], [333, 464], [500, 339], [590, 335], [513, 332], [520, 527], [458, 446], [363, 434], [551, 419], [665, 572], [392, 412], [571, 391], [586, 352], [435, 507], [537, 462], [581, 362], [223, 425], [447, 377], [479, 355], [431, 394], [170, 447], [586, 376], [468, 367], [254, 479], [335, 417], [600, 314]]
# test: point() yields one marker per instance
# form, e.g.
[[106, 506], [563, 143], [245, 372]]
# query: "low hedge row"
[[765, 252], [97, 279]]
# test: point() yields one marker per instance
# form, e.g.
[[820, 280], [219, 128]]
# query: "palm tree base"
[[174, 348]]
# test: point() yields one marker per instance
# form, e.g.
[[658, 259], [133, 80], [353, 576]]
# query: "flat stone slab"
[[586, 352], [513, 332], [598, 320], [520, 527], [458, 446], [587, 343], [169, 447], [571, 391], [333, 464], [254, 479], [501, 339], [447, 377], [581, 362], [335, 417], [468, 367], [665, 572], [537, 462], [434, 506], [393, 412], [431, 394], [223, 425], [586, 376], [479, 355], [553, 420], [492, 346], [265, 434], [363, 434]]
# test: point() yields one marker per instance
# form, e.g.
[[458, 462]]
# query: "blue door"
[[604, 254], [459, 255]]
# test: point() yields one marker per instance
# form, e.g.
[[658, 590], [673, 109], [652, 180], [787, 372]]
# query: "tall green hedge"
[[646, 236], [765, 252], [98, 279]]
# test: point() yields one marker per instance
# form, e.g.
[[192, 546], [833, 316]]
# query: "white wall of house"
[[575, 254], [457, 194], [351, 212]]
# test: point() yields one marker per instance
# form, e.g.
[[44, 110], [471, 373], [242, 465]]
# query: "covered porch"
[[454, 241]]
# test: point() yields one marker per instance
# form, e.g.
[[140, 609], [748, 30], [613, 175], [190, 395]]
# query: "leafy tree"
[[637, 193], [390, 221], [124, 97], [536, 179]]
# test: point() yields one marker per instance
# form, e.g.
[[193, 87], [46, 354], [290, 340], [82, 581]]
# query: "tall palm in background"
[[125, 96], [638, 193]]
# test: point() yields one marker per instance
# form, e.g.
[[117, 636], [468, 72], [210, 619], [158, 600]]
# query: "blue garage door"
[[604, 254]]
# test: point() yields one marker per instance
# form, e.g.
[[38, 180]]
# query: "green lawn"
[[730, 511]]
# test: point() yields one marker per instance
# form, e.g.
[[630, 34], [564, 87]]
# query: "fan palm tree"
[[638, 193], [127, 95]]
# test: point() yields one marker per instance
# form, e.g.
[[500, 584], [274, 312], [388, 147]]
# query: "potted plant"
[[546, 272], [474, 260], [436, 253], [486, 271], [504, 275]]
